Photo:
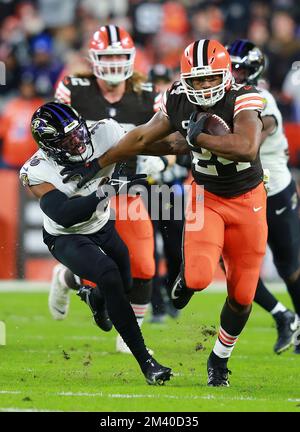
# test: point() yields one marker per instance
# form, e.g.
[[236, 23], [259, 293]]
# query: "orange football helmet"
[[111, 40], [201, 58]]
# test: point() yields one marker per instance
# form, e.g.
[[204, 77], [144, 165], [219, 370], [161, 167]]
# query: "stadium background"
[[43, 40]]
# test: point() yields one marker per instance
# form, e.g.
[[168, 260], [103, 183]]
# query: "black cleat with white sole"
[[286, 323], [218, 376], [94, 299], [217, 373], [155, 373], [180, 294]]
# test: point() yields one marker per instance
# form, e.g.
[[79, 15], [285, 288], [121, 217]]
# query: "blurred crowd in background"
[[43, 40]]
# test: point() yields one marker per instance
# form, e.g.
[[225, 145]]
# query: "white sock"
[[139, 312], [224, 344], [278, 308]]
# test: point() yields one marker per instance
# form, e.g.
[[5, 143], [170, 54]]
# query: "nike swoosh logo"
[[173, 296], [278, 212], [58, 310], [119, 183], [115, 182], [256, 209]]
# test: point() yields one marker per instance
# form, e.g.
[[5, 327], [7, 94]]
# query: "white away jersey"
[[274, 149], [42, 169]]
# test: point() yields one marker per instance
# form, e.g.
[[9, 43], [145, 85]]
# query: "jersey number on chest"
[[211, 168]]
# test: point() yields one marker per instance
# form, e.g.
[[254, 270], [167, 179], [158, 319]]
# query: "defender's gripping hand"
[[117, 185], [152, 165], [83, 172], [196, 126]]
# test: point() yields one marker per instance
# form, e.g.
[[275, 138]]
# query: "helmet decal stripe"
[[108, 35], [205, 53], [118, 33], [56, 114], [200, 58], [113, 34], [233, 47], [64, 111], [197, 54], [241, 46]]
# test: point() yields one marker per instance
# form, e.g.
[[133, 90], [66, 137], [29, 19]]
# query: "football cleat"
[[296, 338], [218, 376], [286, 323], [297, 349], [155, 373], [217, 373], [180, 294], [59, 295], [171, 310], [123, 348], [158, 319], [94, 299]]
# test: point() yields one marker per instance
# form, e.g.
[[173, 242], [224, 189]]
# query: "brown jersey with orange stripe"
[[218, 175]]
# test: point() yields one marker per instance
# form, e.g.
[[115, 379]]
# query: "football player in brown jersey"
[[114, 90], [234, 195]]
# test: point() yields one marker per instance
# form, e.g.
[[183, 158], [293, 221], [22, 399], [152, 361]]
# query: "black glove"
[[117, 185], [83, 172], [195, 127]]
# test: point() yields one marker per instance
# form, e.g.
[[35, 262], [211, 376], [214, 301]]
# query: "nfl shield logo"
[[112, 112]]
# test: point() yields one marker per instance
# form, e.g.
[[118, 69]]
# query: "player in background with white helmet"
[[248, 64], [78, 229]]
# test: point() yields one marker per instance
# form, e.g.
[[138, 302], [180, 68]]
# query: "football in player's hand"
[[213, 124]]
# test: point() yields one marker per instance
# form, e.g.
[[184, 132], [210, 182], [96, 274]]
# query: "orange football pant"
[[235, 228]]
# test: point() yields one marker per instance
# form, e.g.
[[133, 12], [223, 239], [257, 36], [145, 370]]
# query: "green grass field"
[[72, 366]]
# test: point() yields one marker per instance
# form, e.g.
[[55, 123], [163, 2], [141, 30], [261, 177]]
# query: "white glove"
[[151, 165]]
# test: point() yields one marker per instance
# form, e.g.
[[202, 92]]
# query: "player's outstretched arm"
[[240, 146], [143, 139], [61, 209]]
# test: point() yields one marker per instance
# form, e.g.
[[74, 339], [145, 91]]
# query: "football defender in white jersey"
[[77, 228], [282, 204]]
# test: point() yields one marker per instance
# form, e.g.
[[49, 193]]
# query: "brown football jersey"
[[218, 175]]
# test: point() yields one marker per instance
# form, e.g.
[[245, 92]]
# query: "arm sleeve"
[[68, 211]]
